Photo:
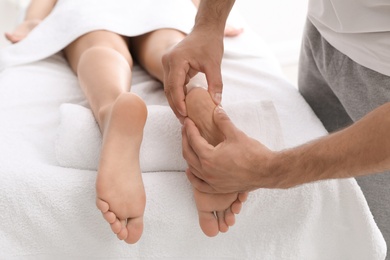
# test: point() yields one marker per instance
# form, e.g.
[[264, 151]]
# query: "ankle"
[[103, 115]]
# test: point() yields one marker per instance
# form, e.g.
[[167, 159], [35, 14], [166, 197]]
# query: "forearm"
[[39, 9], [212, 15], [361, 149]]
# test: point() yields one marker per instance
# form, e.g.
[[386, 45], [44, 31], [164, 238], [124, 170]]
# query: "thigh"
[[107, 39], [357, 90], [315, 81]]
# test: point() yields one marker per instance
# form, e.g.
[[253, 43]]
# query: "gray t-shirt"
[[358, 28]]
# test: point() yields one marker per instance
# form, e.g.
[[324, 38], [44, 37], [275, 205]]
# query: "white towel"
[[49, 212], [79, 139], [70, 19]]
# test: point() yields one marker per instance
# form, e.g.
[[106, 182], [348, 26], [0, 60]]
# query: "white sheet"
[[72, 18], [79, 140], [48, 211]]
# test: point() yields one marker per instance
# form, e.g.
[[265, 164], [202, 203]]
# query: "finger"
[[198, 144], [188, 153], [167, 86], [173, 107], [224, 124], [166, 69], [176, 82], [214, 82], [199, 184]]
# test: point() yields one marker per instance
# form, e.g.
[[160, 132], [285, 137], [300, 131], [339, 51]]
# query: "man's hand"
[[200, 51], [238, 164]]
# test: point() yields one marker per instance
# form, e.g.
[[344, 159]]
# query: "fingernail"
[[217, 98], [219, 109], [182, 112]]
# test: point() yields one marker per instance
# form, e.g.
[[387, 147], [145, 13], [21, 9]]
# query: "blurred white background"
[[279, 22]]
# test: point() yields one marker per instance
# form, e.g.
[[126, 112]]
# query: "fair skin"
[[361, 149], [121, 116], [200, 51], [240, 163], [219, 215]]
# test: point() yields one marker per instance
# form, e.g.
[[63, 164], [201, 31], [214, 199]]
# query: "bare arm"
[[39, 9], [361, 149], [200, 51], [212, 14], [36, 12], [230, 30], [241, 163]]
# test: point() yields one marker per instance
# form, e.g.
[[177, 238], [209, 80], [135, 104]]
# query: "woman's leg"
[[149, 48], [102, 62], [216, 212]]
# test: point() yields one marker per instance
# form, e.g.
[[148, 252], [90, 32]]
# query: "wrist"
[[33, 20], [210, 28], [270, 169], [278, 171], [212, 16], [289, 168]]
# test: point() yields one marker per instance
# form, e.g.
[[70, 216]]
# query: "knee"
[[101, 53]]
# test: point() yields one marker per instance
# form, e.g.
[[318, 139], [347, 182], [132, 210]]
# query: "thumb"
[[223, 122], [214, 82]]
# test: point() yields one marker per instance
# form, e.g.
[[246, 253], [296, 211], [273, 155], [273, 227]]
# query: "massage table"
[[49, 144]]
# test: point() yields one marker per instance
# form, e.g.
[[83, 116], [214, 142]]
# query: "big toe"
[[208, 223], [135, 228]]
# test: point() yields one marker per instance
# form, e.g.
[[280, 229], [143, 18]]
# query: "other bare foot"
[[231, 31], [216, 211], [119, 186]]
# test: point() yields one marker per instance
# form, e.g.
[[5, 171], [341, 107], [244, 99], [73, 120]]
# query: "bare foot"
[[119, 186], [231, 31], [216, 211], [22, 30]]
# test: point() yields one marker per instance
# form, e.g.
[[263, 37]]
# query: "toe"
[[236, 207], [134, 228], [116, 226], [109, 217], [243, 196], [223, 227], [230, 218], [122, 234], [102, 205], [208, 223]]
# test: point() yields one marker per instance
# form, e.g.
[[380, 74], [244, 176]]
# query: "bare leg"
[[215, 210], [149, 49], [103, 63]]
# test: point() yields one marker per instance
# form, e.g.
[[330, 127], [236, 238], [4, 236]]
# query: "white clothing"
[[359, 29], [71, 19]]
